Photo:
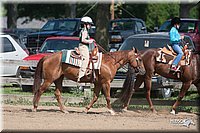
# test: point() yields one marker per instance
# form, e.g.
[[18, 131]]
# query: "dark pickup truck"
[[55, 27], [120, 29]]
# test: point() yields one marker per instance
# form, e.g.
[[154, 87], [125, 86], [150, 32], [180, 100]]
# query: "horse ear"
[[135, 50]]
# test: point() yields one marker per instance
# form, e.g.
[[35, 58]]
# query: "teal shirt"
[[174, 36]]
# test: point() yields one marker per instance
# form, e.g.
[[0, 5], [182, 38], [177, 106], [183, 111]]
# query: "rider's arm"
[[174, 36], [84, 38]]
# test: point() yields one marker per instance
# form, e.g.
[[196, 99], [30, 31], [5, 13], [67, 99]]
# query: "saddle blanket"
[[67, 58]]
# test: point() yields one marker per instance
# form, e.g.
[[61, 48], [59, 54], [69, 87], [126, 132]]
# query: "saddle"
[[167, 55], [92, 59], [93, 54], [169, 50]]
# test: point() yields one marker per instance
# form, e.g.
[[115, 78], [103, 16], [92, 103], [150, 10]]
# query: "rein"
[[106, 52]]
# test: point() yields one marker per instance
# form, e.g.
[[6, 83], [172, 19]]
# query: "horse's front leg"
[[148, 85], [106, 89], [184, 89], [97, 89]]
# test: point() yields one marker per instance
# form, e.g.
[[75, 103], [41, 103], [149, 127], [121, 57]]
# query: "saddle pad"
[[168, 58], [67, 58]]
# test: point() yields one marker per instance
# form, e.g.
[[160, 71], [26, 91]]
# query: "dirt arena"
[[49, 118]]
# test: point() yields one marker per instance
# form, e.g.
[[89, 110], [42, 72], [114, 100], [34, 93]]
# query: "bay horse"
[[190, 74], [52, 70]]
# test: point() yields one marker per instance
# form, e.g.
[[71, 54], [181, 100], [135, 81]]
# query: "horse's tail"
[[38, 76], [128, 87]]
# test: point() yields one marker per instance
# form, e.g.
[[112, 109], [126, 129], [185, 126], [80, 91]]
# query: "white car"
[[10, 50]]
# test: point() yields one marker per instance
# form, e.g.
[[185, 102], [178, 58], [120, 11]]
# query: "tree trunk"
[[72, 10], [12, 16], [67, 11], [199, 9], [102, 22], [185, 9]]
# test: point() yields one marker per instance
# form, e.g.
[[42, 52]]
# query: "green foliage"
[[154, 14], [2, 10], [194, 12], [159, 13], [41, 11]]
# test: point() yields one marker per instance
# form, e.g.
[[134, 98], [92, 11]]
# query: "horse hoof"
[[34, 110], [154, 111], [124, 110], [112, 112], [85, 111], [64, 111], [173, 112]]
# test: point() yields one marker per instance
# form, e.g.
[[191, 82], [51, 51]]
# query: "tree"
[[12, 15], [159, 13], [102, 21], [185, 9]]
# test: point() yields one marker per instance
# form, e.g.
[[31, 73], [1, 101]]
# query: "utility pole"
[[112, 10]]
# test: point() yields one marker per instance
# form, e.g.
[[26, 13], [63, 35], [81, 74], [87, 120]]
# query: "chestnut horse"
[[190, 74], [52, 70]]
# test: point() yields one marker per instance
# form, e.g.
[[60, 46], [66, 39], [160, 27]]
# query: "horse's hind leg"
[[198, 87], [38, 94], [184, 89], [58, 84], [95, 97]]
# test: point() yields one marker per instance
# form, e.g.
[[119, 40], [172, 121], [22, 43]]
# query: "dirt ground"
[[49, 118]]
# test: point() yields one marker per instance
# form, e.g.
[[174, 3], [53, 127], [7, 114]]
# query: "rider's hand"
[[91, 40], [182, 37]]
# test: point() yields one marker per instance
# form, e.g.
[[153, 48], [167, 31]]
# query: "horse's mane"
[[117, 55]]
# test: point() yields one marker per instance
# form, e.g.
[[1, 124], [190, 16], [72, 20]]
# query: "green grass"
[[49, 92], [73, 93]]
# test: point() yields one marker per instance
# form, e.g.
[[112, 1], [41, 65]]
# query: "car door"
[[10, 51], [139, 27]]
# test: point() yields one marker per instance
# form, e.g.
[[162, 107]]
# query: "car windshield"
[[144, 43], [65, 25], [54, 45], [151, 42], [121, 25], [185, 27]]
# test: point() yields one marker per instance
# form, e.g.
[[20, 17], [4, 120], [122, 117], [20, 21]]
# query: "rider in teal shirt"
[[175, 40]]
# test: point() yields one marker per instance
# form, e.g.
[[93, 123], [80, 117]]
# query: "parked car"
[[146, 41], [11, 50], [55, 27], [21, 33], [18, 40], [190, 27], [50, 46], [120, 29]]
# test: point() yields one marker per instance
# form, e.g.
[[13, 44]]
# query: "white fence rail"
[[20, 62]]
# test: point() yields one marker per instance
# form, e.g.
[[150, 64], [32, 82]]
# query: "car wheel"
[[166, 92], [27, 88], [18, 73]]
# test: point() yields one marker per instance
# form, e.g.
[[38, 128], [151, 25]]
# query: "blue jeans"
[[179, 51]]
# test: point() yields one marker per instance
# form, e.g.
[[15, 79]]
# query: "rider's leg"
[[179, 52], [84, 52]]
